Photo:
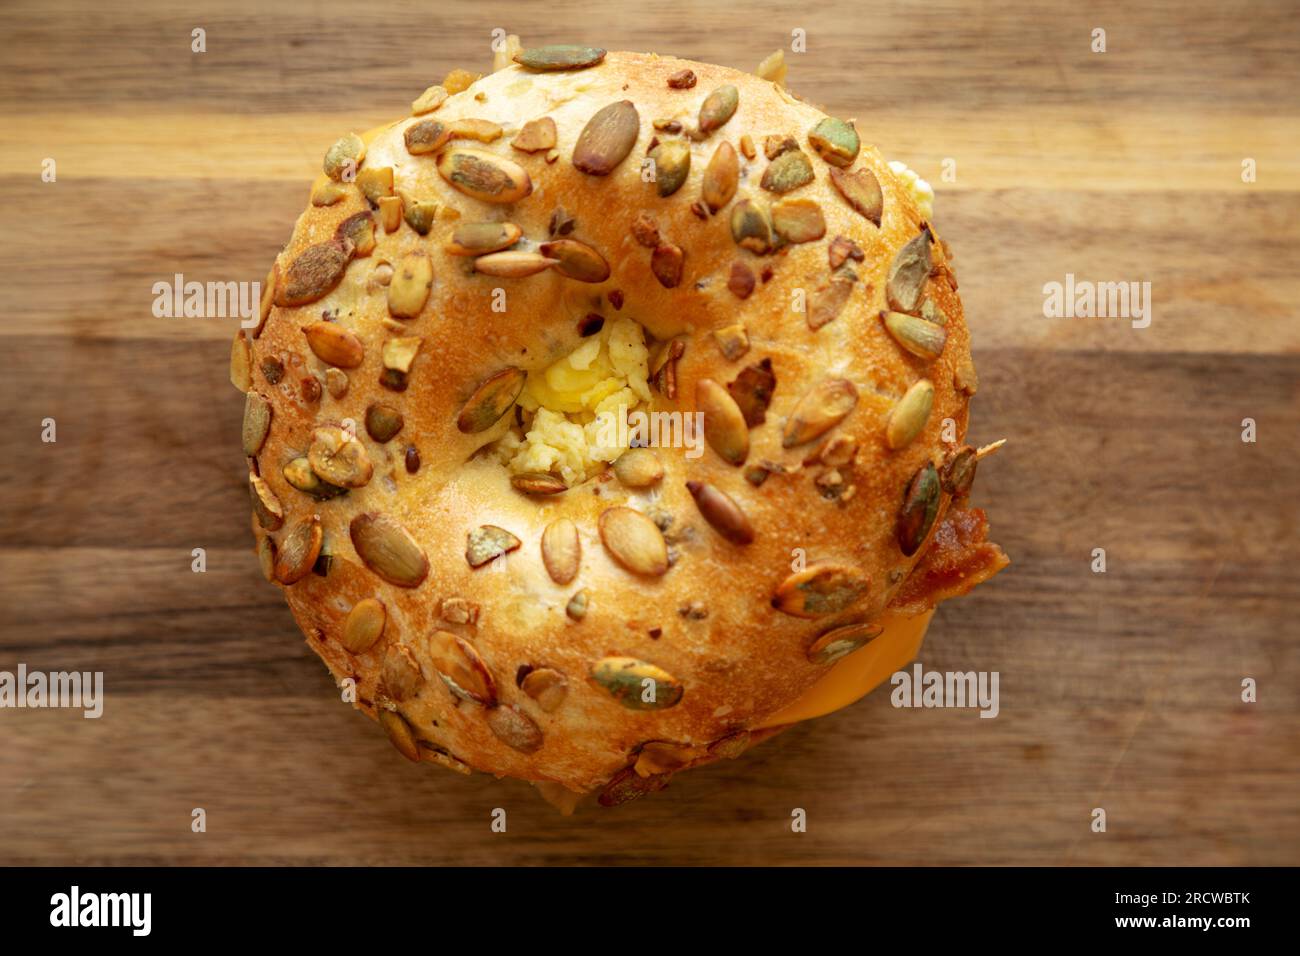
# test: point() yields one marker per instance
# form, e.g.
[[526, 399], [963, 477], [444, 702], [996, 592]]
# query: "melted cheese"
[[857, 675]]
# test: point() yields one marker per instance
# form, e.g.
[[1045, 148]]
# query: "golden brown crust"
[[811, 497]]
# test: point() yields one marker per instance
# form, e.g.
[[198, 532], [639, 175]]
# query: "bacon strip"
[[958, 558]]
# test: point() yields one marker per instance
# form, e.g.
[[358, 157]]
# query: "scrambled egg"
[[922, 192], [576, 403]]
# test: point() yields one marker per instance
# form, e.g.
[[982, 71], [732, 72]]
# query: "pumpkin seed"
[[547, 687], [721, 177], [774, 146], [829, 300], [722, 512], [731, 746], [383, 422], [388, 549], [645, 230], [427, 136], [538, 483], [840, 642], [461, 668], [399, 352], [733, 340], [660, 757], [429, 100], [390, 213], [607, 138], [634, 541], [663, 369], [752, 389], [515, 729], [337, 456], [636, 684], [747, 146], [835, 141], [493, 397], [298, 550], [576, 260], [920, 508], [561, 550], [724, 424], [907, 274], [560, 57], [408, 290], [861, 190], [375, 183], [666, 263], [718, 107], [400, 734], [841, 250], [315, 272], [327, 193], [480, 130], [512, 264], [360, 228], [628, 785], [672, 161], [788, 171], [484, 176], [932, 313], [576, 609], [257, 422], [923, 339], [477, 238], [638, 468], [456, 610], [820, 590], [798, 220], [266, 558], [400, 673], [750, 227], [299, 474], [958, 471], [419, 214], [241, 362], [682, 80], [741, 282], [364, 625], [820, 410], [964, 378], [535, 136], [266, 506], [910, 415], [344, 157], [488, 542], [334, 345]]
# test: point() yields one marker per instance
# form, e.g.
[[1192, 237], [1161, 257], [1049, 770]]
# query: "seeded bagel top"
[[649, 616]]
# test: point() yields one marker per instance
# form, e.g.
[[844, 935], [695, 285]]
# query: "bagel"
[[607, 415]]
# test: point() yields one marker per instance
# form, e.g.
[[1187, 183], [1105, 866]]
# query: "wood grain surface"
[[1118, 690]]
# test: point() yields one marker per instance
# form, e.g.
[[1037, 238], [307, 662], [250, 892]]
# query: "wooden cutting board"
[[1119, 690]]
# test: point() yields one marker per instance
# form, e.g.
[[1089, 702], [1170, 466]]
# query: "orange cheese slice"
[[858, 674]]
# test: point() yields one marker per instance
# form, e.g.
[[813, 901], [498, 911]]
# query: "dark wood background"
[[1119, 690]]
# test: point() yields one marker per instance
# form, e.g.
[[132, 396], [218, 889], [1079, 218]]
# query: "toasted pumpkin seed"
[[733, 340], [480, 130], [344, 157], [840, 642], [682, 80], [336, 382], [660, 757], [721, 177], [484, 176], [427, 136], [513, 264], [672, 161], [920, 508], [607, 138], [266, 558], [841, 250], [493, 397], [724, 424], [788, 171], [419, 214], [400, 673], [477, 238], [257, 422], [298, 550], [638, 468], [327, 193], [383, 422], [428, 101], [752, 389], [718, 107], [931, 312], [628, 785], [825, 304], [360, 228], [561, 550], [400, 734], [636, 684], [634, 541], [750, 227], [334, 345], [731, 746], [820, 410], [576, 609], [666, 263], [266, 506], [835, 141], [576, 260], [923, 339], [559, 56], [719, 510], [488, 542], [299, 474], [861, 190], [538, 483], [958, 472], [908, 273], [910, 415], [461, 668], [547, 686], [820, 590], [515, 729], [535, 136], [388, 549], [408, 290], [400, 351], [375, 183], [798, 220], [339, 458], [390, 212], [774, 146], [241, 362], [315, 272], [364, 625], [741, 282]]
